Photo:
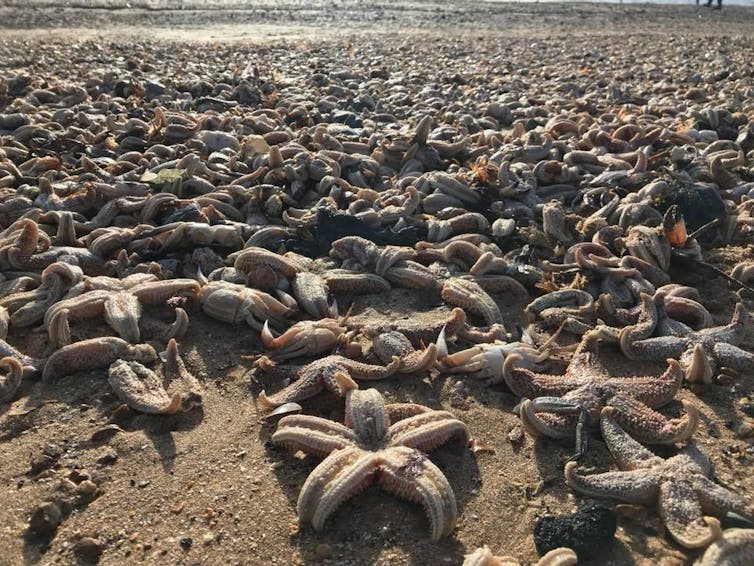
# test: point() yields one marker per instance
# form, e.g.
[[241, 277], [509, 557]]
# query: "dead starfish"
[[734, 548], [484, 557], [378, 441], [702, 353], [679, 485], [332, 373], [587, 387], [143, 390], [94, 353]]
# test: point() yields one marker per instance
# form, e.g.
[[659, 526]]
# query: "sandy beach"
[[208, 486]]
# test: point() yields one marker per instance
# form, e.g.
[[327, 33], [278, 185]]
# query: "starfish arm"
[[654, 391], [411, 475], [367, 415], [399, 411], [419, 360], [427, 431], [312, 435], [308, 385], [697, 457], [649, 426], [735, 548], [716, 500], [526, 383], [633, 486], [681, 512], [733, 356], [338, 477], [552, 425], [360, 370], [733, 332], [627, 452], [586, 358], [658, 349]]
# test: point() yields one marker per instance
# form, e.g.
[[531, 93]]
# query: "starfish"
[[586, 387], [378, 441], [735, 547], [680, 486], [702, 353], [484, 557], [332, 373]]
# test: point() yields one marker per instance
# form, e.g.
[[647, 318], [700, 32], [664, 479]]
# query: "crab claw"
[[267, 338], [699, 370], [442, 345]]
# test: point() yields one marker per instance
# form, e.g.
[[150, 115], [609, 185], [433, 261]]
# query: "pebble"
[[46, 518], [88, 549], [323, 551]]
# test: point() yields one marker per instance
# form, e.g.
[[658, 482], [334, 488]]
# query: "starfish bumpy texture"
[[702, 353], [680, 486], [378, 441], [588, 386]]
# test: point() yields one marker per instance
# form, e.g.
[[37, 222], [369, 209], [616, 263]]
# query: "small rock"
[[46, 518], [516, 435], [747, 409], [105, 433], [744, 430], [86, 490], [88, 549], [323, 551], [208, 538], [186, 542], [579, 531], [108, 457]]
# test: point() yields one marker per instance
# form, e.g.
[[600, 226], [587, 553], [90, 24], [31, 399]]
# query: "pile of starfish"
[[388, 443]]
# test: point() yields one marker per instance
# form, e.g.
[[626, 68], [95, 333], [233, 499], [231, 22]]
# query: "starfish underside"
[[378, 442]]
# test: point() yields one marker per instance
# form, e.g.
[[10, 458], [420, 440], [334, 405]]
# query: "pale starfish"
[[587, 387], [734, 548], [94, 353], [484, 557], [679, 485], [332, 373], [702, 353], [378, 441]]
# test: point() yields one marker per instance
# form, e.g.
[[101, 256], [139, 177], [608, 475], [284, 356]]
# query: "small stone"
[[744, 430], [747, 408], [208, 538], [46, 518], [516, 435], [108, 457], [186, 542], [577, 531], [87, 490], [105, 433], [323, 551], [88, 549], [142, 484]]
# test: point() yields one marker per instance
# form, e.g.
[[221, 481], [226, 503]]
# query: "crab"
[[485, 361], [235, 303], [305, 338], [266, 269], [176, 234]]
